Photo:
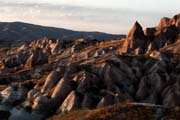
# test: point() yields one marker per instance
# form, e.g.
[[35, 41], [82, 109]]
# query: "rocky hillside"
[[124, 112], [18, 31], [47, 76]]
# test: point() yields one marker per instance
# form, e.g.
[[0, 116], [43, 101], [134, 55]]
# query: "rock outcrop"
[[37, 58], [164, 22], [48, 76], [135, 39]]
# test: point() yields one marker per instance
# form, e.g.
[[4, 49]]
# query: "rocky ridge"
[[47, 76]]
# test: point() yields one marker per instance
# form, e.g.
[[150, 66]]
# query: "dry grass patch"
[[122, 112]]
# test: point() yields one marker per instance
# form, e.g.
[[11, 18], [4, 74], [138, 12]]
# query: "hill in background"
[[28, 32]]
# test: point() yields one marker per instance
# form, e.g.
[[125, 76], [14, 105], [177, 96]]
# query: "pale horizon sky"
[[110, 16]]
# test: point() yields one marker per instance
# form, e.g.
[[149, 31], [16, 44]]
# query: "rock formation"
[[47, 76], [135, 39]]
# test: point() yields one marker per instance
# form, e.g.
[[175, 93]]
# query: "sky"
[[110, 16]]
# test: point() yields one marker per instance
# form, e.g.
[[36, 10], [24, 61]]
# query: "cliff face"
[[47, 76]]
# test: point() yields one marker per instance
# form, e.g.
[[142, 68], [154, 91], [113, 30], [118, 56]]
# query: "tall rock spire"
[[135, 38]]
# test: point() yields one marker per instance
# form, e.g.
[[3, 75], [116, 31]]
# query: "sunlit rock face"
[[72, 102], [135, 39], [164, 22], [47, 76]]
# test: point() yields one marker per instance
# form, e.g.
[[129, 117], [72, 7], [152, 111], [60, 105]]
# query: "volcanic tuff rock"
[[49, 76], [135, 38], [164, 22]]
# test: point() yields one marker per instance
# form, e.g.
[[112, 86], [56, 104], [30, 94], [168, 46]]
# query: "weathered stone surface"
[[61, 91], [13, 94], [51, 81], [164, 22], [135, 38], [72, 102], [48, 76], [37, 58], [150, 32], [42, 104]]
